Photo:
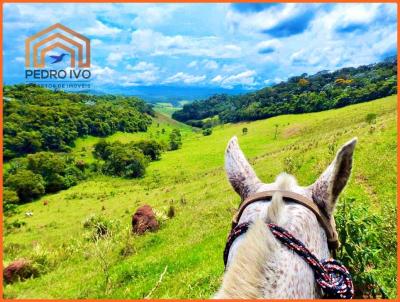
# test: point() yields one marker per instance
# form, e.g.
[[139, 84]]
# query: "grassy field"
[[188, 247], [166, 108]]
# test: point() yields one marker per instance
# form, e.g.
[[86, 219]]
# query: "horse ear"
[[326, 189], [240, 174]]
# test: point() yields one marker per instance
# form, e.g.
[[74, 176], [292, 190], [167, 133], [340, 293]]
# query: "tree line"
[[40, 127], [305, 93], [28, 178], [37, 119]]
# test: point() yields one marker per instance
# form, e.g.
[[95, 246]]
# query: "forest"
[[40, 130], [37, 119], [299, 94]]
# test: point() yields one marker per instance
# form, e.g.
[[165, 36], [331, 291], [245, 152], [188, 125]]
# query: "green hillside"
[[187, 250], [299, 94], [165, 108]]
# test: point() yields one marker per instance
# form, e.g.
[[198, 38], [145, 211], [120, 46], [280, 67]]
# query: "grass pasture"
[[189, 246], [165, 108]]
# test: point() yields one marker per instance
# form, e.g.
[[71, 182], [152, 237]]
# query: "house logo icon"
[[74, 46]]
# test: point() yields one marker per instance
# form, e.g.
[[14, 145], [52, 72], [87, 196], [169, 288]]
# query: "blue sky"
[[211, 45]]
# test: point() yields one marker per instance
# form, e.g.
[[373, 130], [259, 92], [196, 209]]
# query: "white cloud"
[[345, 14], [145, 73], [153, 15], [269, 44], [103, 75], [206, 64], [276, 80], [245, 78], [218, 79], [155, 43], [192, 64], [114, 58], [95, 42], [346, 35], [264, 19], [338, 35], [101, 30], [185, 78], [140, 78], [210, 64], [142, 66], [232, 68]]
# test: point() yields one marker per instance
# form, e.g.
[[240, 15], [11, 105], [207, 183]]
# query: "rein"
[[330, 274]]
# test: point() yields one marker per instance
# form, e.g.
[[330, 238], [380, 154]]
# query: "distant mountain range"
[[170, 94]]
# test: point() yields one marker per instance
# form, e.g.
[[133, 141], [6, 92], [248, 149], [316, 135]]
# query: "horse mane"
[[245, 277]]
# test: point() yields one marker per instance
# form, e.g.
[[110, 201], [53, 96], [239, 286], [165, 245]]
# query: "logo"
[[57, 56]]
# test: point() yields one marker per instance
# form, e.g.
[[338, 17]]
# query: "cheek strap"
[[327, 223]]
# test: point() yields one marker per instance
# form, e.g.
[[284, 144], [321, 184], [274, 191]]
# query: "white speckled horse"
[[258, 265]]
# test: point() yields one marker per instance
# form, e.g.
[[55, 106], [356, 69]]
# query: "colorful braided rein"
[[330, 274]]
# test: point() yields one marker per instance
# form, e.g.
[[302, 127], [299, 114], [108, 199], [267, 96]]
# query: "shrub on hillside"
[[100, 149], [98, 225], [364, 246], [58, 170], [150, 148], [195, 123], [15, 165], [10, 201], [10, 196], [371, 118], [175, 139], [72, 176], [26, 184], [125, 161], [207, 131], [40, 173]]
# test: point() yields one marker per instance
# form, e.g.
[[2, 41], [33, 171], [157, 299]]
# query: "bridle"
[[330, 274], [323, 219]]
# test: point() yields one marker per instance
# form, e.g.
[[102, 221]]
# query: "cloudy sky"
[[210, 45]]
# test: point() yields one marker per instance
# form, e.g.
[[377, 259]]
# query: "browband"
[[332, 237]]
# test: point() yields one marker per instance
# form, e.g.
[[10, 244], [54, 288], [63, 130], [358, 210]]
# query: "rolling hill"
[[189, 246], [299, 94]]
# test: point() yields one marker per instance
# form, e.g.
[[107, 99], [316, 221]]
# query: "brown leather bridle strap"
[[332, 237]]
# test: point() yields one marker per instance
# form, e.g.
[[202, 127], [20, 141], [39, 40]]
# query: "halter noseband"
[[331, 235], [330, 274]]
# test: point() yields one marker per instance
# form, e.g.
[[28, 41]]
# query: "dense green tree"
[[305, 93], [26, 184], [100, 149], [51, 167], [150, 148], [10, 201], [207, 131], [175, 139], [10, 196], [38, 119], [57, 171], [125, 161], [371, 118]]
